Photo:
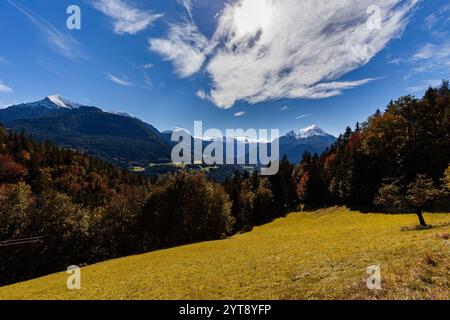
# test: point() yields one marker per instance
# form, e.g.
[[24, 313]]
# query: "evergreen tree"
[[283, 186]]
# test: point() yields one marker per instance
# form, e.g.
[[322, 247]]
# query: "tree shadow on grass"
[[421, 228]]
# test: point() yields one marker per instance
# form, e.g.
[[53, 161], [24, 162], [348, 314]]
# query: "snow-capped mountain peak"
[[62, 102], [308, 132], [311, 131]]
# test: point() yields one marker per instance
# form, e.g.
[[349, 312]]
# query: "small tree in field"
[[415, 196], [420, 194]]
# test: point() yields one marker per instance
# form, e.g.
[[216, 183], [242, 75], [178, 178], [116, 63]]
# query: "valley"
[[128, 142]]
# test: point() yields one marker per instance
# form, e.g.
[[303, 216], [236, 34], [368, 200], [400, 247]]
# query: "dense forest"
[[60, 208], [398, 160]]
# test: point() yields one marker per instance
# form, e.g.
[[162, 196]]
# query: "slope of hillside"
[[324, 254], [118, 139]]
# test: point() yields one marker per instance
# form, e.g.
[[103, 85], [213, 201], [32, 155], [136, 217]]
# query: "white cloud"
[[184, 46], [4, 88], [284, 108], [303, 116], [187, 4], [433, 52], [426, 52], [202, 94], [239, 114], [118, 80], [143, 80], [440, 16], [266, 49], [125, 18], [431, 58], [395, 61], [60, 42]]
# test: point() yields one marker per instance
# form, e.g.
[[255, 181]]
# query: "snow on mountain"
[[311, 131], [295, 137], [62, 102], [311, 139], [123, 114], [308, 132], [56, 101]]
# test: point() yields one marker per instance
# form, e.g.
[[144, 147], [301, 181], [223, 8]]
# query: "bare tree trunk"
[[421, 219]]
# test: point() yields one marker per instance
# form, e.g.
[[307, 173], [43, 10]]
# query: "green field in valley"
[[319, 255]]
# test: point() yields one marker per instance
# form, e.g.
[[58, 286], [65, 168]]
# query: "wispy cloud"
[[125, 18], [438, 17], [424, 53], [4, 88], [239, 114], [431, 58], [185, 46], [433, 52], [303, 116], [187, 4], [145, 82], [118, 80], [285, 108], [202, 94], [62, 43], [266, 50]]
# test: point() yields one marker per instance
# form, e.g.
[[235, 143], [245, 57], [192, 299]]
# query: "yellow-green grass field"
[[319, 255]]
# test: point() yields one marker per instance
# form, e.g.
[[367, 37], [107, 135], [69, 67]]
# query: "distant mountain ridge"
[[311, 139], [117, 138], [120, 137], [308, 132]]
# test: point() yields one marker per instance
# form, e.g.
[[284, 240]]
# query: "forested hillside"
[[118, 139], [397, 159], [51, 199], [59, 207]]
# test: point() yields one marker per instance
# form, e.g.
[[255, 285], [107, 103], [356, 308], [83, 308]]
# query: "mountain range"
[[121, 138], [310, 139], [117, 138]]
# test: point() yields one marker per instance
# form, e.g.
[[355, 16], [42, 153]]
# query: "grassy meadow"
[[318, 255]]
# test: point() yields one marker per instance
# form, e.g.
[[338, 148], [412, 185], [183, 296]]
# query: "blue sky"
[[282, 64]]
